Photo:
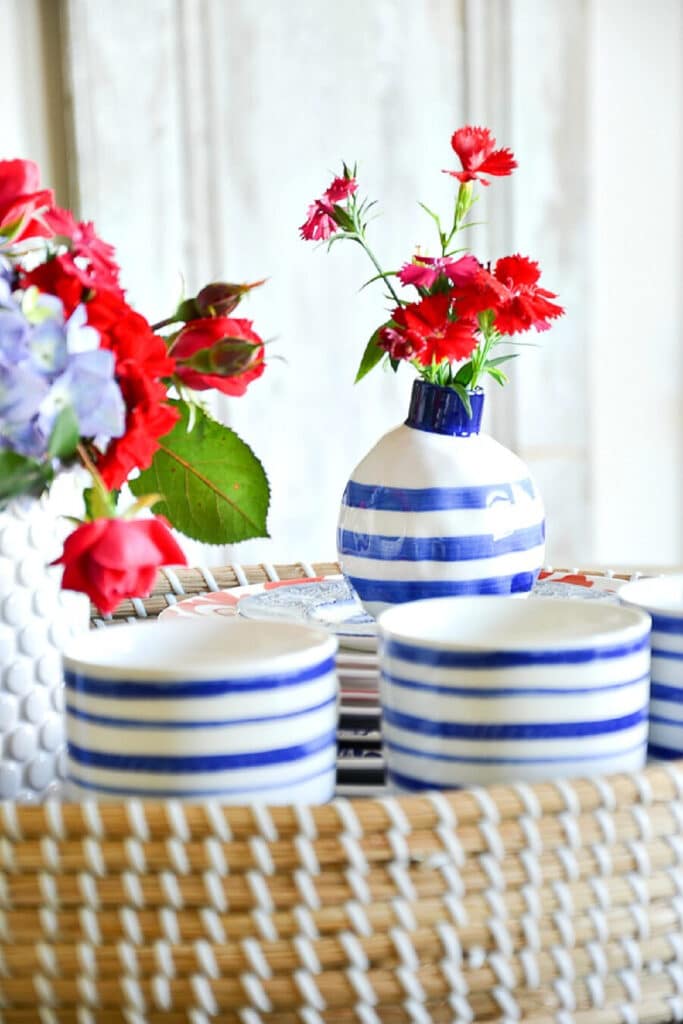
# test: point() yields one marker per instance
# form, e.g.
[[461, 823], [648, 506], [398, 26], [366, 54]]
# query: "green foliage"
[[212, 486], [21, 475], [65, 435], [371, 357]]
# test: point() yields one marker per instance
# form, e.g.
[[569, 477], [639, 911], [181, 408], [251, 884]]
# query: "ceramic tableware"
[[232, 710], [662, 598], [477, 690], [437, 508]]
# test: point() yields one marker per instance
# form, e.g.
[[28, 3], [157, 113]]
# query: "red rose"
[[22, 199], [111, 559], [218, 352]]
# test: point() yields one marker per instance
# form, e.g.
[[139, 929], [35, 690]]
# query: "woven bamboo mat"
[[554, 902], [559, 902]]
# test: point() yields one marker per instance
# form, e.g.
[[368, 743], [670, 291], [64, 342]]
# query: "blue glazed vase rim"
[[439, 409]]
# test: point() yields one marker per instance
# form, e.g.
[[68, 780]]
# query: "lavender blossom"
[[48, 364]]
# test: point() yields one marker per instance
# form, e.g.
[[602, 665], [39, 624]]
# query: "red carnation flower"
[[443, 337], [475, 150], [320, 222], [112, 559], [90, 258], [424, 270], [341, 189], [401, 346], [526, 304], [218, 352], [512, 293], [22, 201], [141, 361], [56, 277]]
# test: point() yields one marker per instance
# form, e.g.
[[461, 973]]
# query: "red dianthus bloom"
[[319, 223], [443, 337], [141, 361], [475, 150], [340, 189], [512, 293]]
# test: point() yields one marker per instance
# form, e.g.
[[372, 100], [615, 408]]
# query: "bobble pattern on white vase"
[[36, 620]]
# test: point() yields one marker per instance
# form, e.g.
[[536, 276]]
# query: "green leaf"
[[464, 375], [21, 475], [463, 395], [99, 502], [212, 486], [499, 360], [371, 357], [497, 375], [65, 435]]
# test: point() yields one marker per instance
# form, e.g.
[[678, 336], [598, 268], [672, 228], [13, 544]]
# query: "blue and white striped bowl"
[[233, 710], [485, 689], [662, 598]]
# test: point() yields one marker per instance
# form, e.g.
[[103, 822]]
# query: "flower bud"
[[220, 298]]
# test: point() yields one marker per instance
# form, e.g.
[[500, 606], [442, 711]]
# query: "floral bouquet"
[[464, 310], [85, 380]]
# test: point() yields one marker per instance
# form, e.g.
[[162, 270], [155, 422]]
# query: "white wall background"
[[195, 132]]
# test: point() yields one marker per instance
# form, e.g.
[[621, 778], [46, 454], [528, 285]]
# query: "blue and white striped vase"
[[438, 509]]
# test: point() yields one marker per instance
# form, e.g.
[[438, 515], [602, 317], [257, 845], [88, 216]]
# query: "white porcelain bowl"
[[477, 690], [231, 710], [662, 598]]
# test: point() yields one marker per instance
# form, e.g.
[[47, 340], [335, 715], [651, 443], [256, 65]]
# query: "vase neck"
[[439, 410]]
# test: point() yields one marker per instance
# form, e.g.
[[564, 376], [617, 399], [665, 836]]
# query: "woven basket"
[[555, 902]]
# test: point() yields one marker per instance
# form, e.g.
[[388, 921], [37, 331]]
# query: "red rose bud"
[[220, 298], [218, 352], [112, 559]]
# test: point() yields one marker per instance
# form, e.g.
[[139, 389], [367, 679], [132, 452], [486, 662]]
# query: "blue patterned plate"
[[331, 603]]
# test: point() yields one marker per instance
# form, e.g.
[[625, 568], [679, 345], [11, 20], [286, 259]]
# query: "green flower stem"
[[491, 338], [359, 237], [463, 204]]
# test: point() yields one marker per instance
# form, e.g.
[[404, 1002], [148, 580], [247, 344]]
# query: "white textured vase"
[[438, 509], [36, 620]]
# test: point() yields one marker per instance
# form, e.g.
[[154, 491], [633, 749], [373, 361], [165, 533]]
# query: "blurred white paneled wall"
[[196, 132]]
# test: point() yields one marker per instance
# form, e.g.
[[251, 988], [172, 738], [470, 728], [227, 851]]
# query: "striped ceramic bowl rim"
[[474, 689]]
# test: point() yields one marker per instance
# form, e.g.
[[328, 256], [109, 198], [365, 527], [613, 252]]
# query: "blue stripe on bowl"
[[399, 748], [399, 591], [165, 689], [666, 623], [664, 720], [202, 762], [201, 793], [432, 499], [658, 652], [493, 731], [438, 549], [142, 723], [508, 659], [410, 782], [660, 691], [664, 753], [507, 691]]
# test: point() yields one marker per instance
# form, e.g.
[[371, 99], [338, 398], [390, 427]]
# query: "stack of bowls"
[[231, 710], [485, 689], [662, 599]]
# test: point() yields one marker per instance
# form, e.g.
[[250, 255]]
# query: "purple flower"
[[47, 365]]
